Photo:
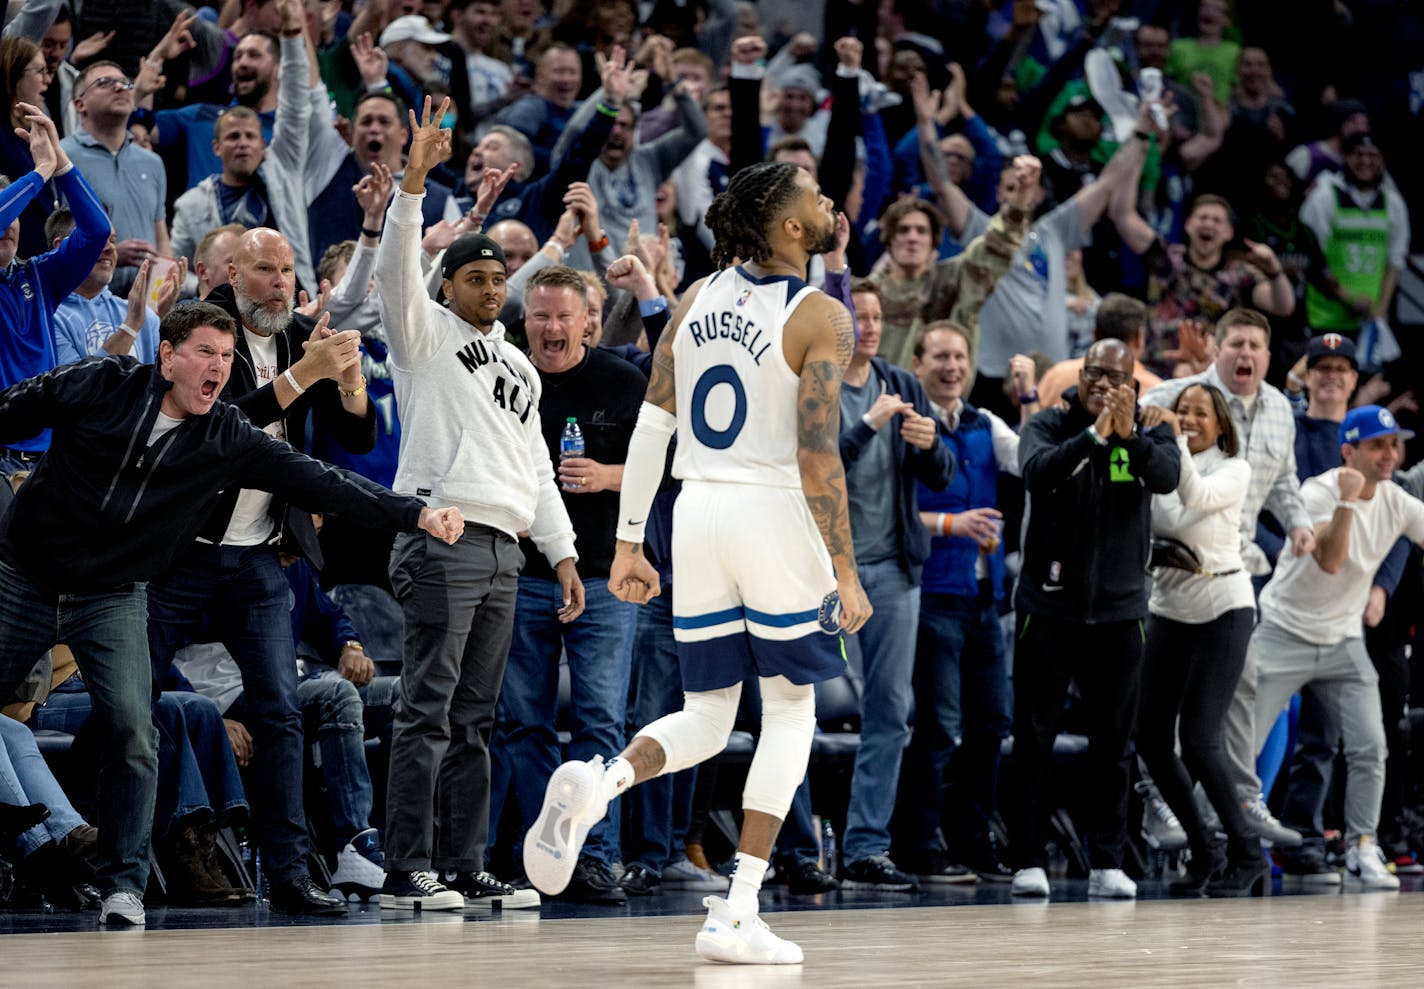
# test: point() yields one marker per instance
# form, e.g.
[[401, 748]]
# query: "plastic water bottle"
[[828, 846], [1149, 89], [571, 443]]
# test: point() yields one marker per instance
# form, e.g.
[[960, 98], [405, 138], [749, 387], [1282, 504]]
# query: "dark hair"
[[181, 321], [1226, 439], [274, 46], [898, 210], [16, 54], [741, 217], [382, 94], [59, 224], [1120, 317], [790, 143], [1241, 316], [558, 276]]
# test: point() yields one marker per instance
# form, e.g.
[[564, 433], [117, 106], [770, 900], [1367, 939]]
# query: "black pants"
[[1103, 659], [1190, 671]]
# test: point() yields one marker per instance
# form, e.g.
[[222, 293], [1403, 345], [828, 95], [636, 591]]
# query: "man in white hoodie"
[[469, 406]]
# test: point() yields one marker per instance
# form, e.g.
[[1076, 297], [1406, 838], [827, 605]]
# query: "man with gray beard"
[[228, 587]]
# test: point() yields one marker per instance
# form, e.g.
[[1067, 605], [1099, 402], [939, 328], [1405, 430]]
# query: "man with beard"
[[1089, 470], [256, 184], [1363, 226], [228, 585], [128, 179], [256, 61]]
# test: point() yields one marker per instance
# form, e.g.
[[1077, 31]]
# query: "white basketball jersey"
[[736, 396]]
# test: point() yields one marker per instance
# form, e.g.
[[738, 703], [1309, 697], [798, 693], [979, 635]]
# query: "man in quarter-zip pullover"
[[140, 456]]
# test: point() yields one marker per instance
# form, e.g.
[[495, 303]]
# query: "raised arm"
[[1332, 538], [956, 205], [826, 326]]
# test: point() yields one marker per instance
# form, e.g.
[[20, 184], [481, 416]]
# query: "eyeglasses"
[[119, 84], [1091, 372], [38, 70]]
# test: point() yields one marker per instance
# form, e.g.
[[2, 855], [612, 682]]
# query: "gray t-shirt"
[[871, 480], [1027, 310]]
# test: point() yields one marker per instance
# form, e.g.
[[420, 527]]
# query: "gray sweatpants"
[[1345, 681], [458, 603]]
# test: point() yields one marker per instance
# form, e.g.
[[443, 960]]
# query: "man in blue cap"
[[1311, 630]]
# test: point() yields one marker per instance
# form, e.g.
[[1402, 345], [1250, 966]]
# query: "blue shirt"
[[31, 290], [194, 124], [82, 325]]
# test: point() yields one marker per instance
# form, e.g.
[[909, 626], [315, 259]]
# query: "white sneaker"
[[1111, 884], [1364, 863], [356, 876], [1260, 820], [1160, 827], [1030, 882], [123, 908], [573, 804], [685, 874], [727, 936]]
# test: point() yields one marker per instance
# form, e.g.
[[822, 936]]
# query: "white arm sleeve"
[[643, 470]]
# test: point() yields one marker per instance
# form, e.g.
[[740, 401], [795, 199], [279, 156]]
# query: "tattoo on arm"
[[818, 436], [661, 385]]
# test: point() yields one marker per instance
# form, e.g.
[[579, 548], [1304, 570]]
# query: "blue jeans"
[[333, 714], [526, 738], [25, 779], [887, 645], [662, 806], [964, 709], [105, 630], [198, 778], [238, 595]]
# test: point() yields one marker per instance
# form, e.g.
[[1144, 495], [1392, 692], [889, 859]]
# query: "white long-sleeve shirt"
[[1205, 513]]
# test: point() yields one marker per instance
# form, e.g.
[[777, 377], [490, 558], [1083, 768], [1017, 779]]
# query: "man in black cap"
[[470, 433], [1362, 224], [1078, 128]]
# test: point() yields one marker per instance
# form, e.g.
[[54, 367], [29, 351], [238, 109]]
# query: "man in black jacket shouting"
[[227, 586], [1090, 472], [140, 456]]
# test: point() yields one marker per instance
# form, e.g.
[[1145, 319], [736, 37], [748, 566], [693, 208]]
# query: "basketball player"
[[749, 380]]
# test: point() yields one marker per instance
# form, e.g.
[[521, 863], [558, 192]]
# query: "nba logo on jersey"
[[743, 300]]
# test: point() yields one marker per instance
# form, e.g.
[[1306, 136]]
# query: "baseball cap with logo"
[[1369, 421], [467, 249], [1330, 345]]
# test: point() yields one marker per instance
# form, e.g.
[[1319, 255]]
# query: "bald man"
[[228, 585]]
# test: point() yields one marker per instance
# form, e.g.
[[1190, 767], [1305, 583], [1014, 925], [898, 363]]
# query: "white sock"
[[746, 882], [617, 777]]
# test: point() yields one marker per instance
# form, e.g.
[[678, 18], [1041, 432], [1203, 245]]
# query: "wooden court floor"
[[1348, 941]]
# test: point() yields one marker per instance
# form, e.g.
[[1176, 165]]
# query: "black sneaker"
[[592, 882], [986, 864], [1307, 866], [1240, 877], [417, 891], [878, 872], [483, 889], [639, 880], [933, 866], [807, 879]]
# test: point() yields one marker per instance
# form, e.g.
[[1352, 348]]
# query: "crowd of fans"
[[1143, 353]]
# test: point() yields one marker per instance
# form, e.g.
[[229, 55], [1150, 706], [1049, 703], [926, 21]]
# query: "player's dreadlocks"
[[740, 217]]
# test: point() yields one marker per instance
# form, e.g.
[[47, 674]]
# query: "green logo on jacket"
[[1117, 465]]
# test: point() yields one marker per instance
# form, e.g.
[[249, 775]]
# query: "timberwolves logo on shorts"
[[829, 614]]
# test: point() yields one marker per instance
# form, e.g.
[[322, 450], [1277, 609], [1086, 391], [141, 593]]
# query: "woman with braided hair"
[[761, 537]]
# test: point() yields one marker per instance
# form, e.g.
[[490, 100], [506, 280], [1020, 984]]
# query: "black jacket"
[[1090, 515], [104, 509], [934, 468], [356, 434]]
